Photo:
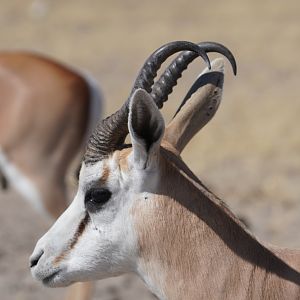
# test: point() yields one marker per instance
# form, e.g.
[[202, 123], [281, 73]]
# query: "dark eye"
[[96, 198]]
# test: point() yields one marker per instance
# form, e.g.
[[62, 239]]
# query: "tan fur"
[[51, 105], [192, 247], [105, 175], [122, 158]]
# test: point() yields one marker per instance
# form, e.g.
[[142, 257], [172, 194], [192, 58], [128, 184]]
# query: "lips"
[[49, 280]]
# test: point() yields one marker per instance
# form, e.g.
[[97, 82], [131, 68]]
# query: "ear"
[[198, 107], [146, 128]]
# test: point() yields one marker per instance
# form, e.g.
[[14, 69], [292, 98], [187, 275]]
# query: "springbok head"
[[97, 236]]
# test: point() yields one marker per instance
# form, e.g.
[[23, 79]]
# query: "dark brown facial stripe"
[[79, 231], [74, 240]]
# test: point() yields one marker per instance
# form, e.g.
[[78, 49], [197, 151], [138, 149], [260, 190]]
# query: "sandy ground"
[[249, 154]]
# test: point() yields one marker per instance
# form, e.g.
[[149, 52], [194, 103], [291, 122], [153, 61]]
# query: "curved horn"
[[164, 85], [112, 131], [145, 78]]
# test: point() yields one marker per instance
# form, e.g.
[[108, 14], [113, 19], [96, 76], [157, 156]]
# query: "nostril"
[[35, 259]]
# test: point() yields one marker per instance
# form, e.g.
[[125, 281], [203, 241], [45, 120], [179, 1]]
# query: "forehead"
[[115, 164]]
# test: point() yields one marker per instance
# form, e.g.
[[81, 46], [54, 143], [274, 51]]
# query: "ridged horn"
[[111, 132], [164, 85]]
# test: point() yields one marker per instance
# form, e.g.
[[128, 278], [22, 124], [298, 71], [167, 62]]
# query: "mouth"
[[50, 280]]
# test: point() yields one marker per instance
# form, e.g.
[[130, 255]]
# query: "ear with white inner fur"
[[198, 107], [146, 128]]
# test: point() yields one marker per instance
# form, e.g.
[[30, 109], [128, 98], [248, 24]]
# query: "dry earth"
[[249, 154]]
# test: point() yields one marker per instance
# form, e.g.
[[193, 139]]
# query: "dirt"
[[249, 154]]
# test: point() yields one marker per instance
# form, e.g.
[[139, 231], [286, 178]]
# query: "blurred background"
[[249, 154]]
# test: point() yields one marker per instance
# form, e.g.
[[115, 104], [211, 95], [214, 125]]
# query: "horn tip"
[[234, 66], [234, 70]]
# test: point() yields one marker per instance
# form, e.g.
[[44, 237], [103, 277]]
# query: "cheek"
[[84, 253], [96, 256]]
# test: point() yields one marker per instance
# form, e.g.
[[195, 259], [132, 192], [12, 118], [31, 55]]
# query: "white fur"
[[101, 251], [21, 183], [108, 245]]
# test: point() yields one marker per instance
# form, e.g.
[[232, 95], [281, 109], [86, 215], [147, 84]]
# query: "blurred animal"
[[47, 112], [140, 209]]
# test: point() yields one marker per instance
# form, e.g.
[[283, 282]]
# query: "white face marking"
[[105, 246], [22, 184], [95, 237]]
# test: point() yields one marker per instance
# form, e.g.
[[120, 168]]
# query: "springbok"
[[47, 112], [140, 209]]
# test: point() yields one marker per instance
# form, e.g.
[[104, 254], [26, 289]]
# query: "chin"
[[62, 277], [56, 280], [53, 279]]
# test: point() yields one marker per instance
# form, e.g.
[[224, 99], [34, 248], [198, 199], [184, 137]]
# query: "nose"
[[34, 259]]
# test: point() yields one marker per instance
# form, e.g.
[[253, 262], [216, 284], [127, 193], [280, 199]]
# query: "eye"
[[96, 198]]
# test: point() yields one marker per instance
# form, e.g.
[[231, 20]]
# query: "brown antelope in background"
[[140, 209], [47, 112]]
